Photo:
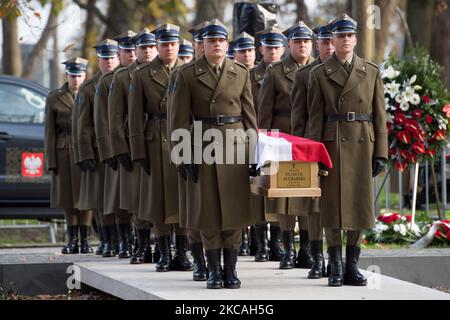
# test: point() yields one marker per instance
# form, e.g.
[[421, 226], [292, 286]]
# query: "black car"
[[23, 179]]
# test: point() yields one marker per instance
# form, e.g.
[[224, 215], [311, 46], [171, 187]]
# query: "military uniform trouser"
[[141, 224], [287, 222], [162, 229], [194, 236], [334, 237], [121, 217], [213, 240], [315, 226]]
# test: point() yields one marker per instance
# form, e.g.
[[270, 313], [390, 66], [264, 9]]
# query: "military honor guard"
[[274, 113], [129, 172], [59, 157], [215, 92], [186, 52], [149, 147], [347, 113]]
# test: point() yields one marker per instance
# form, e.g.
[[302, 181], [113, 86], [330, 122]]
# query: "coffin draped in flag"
[[278, 146]]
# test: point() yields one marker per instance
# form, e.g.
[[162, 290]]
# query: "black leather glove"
[[182, 171], [54, 170], [253, 172], [81, 166], [125, 161], [145, 163], [377, 166], [192, 171], [112, 163], [89, 164]]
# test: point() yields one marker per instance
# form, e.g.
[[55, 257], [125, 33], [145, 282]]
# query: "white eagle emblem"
[[32, 165]]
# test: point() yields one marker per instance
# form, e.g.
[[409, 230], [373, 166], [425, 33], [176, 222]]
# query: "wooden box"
[[287, 179]]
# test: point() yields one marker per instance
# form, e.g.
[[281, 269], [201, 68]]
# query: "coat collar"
[[158, 72], [335, 72], [203, 73], [290, 66], [259, 71], [229, 73], [65, 96]]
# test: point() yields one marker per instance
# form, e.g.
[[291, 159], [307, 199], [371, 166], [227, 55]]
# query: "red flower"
[[446, 110], [391, 152], [426, 99], [430, 153], [396, 217], [408, 217], [412, 126], [418, 148], [417, 113], [440, 135], [400, 118], [428, 119], [448, 236], [438, 234], [412, 158], [401, 165], [404, 154], [404, 136]]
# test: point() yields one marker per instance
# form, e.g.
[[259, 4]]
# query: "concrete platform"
[[260, 281]]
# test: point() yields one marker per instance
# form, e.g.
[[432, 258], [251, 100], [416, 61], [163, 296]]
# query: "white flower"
[[400, 98], [402, 230], [404, 106], [393, 89], [415, 229], [380, 228], [417, 88], [415, 99], [413, 79], [409, 94], [390, 73]]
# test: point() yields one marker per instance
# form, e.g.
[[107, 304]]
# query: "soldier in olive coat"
[[59, 156], [149, 146], [93, 170], [274, 113], [215, 92], [130, 174], [271, 47], [299, 124], [112, 214], [347, 113]]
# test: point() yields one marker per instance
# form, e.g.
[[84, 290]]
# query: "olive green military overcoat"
[[65, 184], [148, 139], [92, 183], [347, 192], [220, 200], [120, 143]]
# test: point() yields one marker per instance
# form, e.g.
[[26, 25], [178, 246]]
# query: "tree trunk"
[[302, 12], [38, 49], [12, 56], [365, 48], [55, 63], [388, 8], [420, 16], [90, 35], [207, 10], [440, 46]]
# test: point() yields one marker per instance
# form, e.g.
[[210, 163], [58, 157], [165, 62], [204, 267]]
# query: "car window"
[[21, 105]]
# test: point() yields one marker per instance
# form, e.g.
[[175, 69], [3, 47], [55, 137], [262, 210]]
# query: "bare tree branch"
[[92, 7]]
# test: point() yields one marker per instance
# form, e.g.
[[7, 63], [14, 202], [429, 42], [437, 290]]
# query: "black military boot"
[[85, 246], [156, 252], [252, 240], [288, 260], [261, 242], [215, 269], [230, 279], [180, 261], [304, 259], [352, 276], [165, 261], [109, 249], [244, 250], [336, 273], [72, 245], [101, 245], [115, 238], [143, 251], [124, 241], [200, 271], [318, 268], [275, 251]]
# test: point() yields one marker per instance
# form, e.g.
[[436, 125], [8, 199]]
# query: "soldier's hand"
[[90, 165], [54, 170], [125, 161], [81, 166], [182, 171], [323, 170], [112, 163], [145, 163], [253, 171], [192, 171], [377, 166]]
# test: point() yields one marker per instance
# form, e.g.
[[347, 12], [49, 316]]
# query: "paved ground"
[[260, 281]]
